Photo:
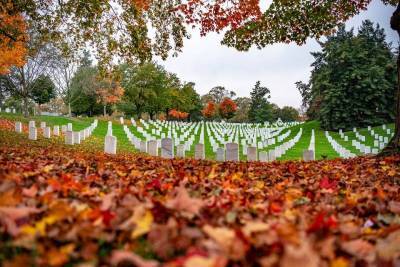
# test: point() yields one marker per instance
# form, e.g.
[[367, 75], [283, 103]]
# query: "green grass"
[[322, 146]]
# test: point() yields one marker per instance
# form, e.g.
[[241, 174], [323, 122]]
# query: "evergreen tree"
[[353, 82], [260, 109]]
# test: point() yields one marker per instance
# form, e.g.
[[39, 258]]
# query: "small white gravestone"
[[110, 144], [199, 152], [77, 138], [263, 156], [232, 152], [42, 124], [82, 135], [18, 127], [69, 138], [220, 154], [14, 111], [56, 130], [308, 155], [8, 110], [152, 147], [143, 146], [167, 148], [47, 132], [32, 124], [32, 133], [63, 128], [251, 153], [121, 120], [69, 127], [180, 151]]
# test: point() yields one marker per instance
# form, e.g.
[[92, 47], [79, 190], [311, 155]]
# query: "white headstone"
[[42, 124], [69, 138], [143, 146], [167, 148], [232, 152], [18, 127], [63, 128], [121, 120], [77, 138], [263, 156], [152, 147], [308, 155], [47, 132], [110, 144], [180, 151], [199, 152], [56, 130], [69, 127], [251, 153], [32, 124], [220, 154], [32, 133]]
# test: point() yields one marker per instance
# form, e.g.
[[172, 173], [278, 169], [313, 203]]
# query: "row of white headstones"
[[9, 110], [359, 143], [227, 135], [71, 137]]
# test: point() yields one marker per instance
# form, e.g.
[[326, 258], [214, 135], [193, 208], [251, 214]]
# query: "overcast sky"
[[207, 63]]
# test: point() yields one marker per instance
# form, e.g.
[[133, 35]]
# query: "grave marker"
[[110, 144], [308, 155], [32, 133], [167, 148], [69, 138], [232, 152], [199, 152], [152, 147], [47, 132], [220, 154], [251, 153], [18, 127]]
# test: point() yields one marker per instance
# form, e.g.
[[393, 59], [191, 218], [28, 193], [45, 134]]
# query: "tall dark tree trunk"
[[394, 146], [25, 107]]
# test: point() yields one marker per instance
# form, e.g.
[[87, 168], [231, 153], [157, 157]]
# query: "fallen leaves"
[[63, 206]]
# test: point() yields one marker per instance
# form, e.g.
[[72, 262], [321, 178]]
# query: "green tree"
[[353, 82], [84, 83], [43, 89], [288, 114], [243, 107], [260, 109]]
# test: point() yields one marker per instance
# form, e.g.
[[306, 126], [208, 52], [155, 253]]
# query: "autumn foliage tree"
[[109, 92], [227, 108], [13, 39], [209, 110], [179, 115]]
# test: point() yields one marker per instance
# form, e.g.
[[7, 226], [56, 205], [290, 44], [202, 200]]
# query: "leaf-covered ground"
[[62, 206]]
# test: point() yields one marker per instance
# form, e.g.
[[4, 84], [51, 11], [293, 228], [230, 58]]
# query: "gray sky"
[[207, 63]]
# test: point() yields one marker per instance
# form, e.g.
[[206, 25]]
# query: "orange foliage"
[[209, 110], [12, 39], [227, 108], [178, 114], [217, 15], [111, 93]]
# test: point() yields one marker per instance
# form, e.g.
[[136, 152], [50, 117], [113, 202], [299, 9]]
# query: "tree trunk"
[[69, 110], [104, 111], [393, 147], [25, 108]]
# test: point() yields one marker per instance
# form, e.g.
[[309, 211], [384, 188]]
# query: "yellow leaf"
[[143, 224], [339, 262], [199, 261], [39, 227], [259, 185]]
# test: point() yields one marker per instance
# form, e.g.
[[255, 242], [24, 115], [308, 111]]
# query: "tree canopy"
[[353, 83]]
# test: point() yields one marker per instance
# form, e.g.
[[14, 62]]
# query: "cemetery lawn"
[[323, 149], [68, 205]]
